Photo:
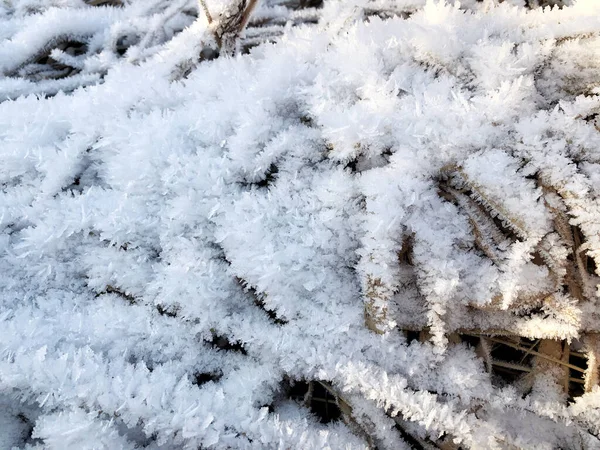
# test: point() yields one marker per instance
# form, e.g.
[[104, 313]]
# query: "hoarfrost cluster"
[[366, 204]]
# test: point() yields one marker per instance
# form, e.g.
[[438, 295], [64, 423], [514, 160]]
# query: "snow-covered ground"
[[180, 239]]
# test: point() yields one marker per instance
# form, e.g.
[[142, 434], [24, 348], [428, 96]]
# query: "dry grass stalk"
[[487, 235], [348, 416], [565, 358], [528, 352], [550, 360], [591, 374], [308, 397], [484, 351], [206, 11], [549, 346], [376, 299], [478, 193], [549, 354]]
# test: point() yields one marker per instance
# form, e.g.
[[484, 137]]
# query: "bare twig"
[[231, 22]]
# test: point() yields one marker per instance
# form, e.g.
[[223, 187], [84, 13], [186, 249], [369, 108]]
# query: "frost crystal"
[[299, 224]]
